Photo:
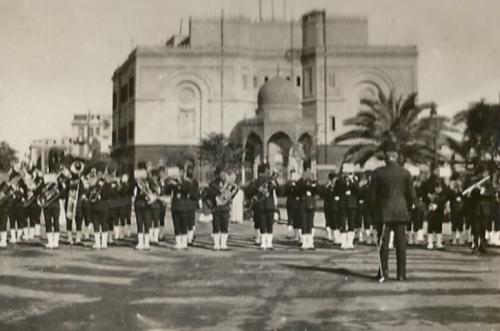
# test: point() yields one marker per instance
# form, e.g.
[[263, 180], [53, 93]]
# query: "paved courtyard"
[[75, 288]]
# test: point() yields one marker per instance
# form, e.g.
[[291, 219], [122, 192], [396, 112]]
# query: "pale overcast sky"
[[57, 56]]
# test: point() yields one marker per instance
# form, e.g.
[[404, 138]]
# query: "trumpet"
[[264, 190]]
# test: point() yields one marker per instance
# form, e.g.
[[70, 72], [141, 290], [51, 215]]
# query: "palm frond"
[[357, 134]]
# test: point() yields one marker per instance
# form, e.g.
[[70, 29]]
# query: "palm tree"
[[216, 149], [398, 119], [482, 128]]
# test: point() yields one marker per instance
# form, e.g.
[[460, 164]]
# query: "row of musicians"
[[104, 202], [440, 202], [345, 207], [114, 201]]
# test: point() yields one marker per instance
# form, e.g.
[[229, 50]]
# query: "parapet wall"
[[240, 32], [243, 33]]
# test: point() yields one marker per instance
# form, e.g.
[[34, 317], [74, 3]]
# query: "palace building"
[[213, 79]]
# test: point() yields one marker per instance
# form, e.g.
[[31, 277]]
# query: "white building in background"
[[167, 98], [90, 137], [91, 134], [46, 153]]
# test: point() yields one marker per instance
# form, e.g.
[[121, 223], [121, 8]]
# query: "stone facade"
[[208, 80]]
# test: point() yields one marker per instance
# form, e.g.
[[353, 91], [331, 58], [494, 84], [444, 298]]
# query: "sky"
[[57, 56]]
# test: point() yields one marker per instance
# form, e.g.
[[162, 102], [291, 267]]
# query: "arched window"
[[188, 98]]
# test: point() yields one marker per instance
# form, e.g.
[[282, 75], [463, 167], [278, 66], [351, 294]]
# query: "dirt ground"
[[75, 288]]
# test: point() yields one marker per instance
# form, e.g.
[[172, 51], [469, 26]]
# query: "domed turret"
[[277, 91]]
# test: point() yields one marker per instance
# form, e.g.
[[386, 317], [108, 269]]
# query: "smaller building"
[[90, 138], [46, 154], [280, 133], [91, 135]]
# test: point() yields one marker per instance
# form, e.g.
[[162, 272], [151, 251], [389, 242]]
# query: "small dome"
[[277, 91]]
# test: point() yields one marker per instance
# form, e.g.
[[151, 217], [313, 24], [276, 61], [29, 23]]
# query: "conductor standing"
[[392, 195]]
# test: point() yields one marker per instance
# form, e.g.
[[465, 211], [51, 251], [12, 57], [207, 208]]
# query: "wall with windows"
[[171, 95]]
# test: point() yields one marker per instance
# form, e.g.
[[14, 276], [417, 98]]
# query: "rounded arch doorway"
[[278, 150], [253, 155]]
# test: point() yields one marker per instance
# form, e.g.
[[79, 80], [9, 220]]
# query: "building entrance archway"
[[253, 155], [278, 151]]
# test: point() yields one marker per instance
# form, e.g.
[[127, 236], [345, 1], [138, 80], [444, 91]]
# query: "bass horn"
[[228, 191], [76, 168]]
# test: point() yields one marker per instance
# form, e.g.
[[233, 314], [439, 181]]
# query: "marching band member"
[[27, 199], [332, 193], [163, 206], [437, 197], [261, 192], [308, 190], [51, 207], [417, 214], [17, 211], [126, 193], [4, 212], [293, 206], [481, 213], [496, 205], [33, 209], [194, 198], [89, 185], [490, 229], [349, 204], [114, 207], [86, 207], [73, 203], [266, 207], [468, 227], [364, 213], [179, 208], [141, 200], [220, 193], [100, 196], [252, 193], [456, 209], [155, 207], [274, 176]]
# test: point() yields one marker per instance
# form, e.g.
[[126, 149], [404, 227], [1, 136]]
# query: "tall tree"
[[216, 149], [398, 119], [482, 129], [7, 156]]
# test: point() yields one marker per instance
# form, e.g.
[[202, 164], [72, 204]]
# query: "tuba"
[[76, 168], [49, 193], [9, 189], [141, 179], [228, 191], [227, 194], [145, 187]]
